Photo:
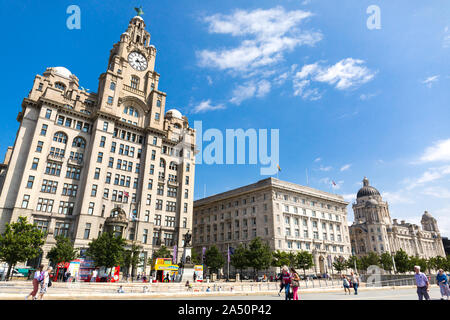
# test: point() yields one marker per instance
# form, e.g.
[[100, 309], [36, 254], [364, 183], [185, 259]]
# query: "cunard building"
[[84, 163], [373, 230]]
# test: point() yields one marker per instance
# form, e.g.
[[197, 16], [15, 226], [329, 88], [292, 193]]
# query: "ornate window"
[[59, 85], [135, 82], [79, 142], [60, 137]]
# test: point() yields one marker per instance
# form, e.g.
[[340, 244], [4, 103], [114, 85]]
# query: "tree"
[[352, 261], [259, 255], [372, 259], [195, 257], [20, 242], [292, 259], [386, 261], [279, 259], [305, 261], [63, 251], [239, 259], [417, 261], [401, 261], [131, 259], [340, 265], [214, 260], [107, 250], [162, 252]]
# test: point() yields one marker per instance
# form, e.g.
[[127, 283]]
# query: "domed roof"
[[427, 215], [64, 72], [371, 202], [367, 190], [174, 113]]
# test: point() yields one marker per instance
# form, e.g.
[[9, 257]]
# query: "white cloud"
[[430, 81], [440, 151], [396, 197], [446, 38], [209, 79], [266, 35], [368, 96], [345, 167], [205, 106], [317, 159], [249, 90], [345, 74], [432, 174], [322, 168], [437, 192], [350, 197]]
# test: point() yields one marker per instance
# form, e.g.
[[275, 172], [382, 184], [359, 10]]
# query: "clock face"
[[137, 61]]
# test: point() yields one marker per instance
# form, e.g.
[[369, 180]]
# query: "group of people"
[[41, 281], [289, 281], [423, 284], [350, 282]]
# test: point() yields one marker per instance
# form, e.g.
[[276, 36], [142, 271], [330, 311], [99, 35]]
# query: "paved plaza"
[[135, 291]]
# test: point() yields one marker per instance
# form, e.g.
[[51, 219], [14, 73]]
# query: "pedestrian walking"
[[355, 282], [422, 284], [45, 276], [442, 282], [36, 280], [346, 284], [281, 284], [94, 275], [286, 278], [295, 282]]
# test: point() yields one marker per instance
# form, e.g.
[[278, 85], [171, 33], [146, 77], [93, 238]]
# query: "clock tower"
[[130, 82]]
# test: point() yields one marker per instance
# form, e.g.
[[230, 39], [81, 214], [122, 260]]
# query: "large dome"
[[367, 190], [63, 72], [174, 113]]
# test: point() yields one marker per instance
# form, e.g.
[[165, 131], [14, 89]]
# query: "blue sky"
[[349, 102]]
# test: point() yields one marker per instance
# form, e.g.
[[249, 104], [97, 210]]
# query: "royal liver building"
[[83, 162], [373, 230]]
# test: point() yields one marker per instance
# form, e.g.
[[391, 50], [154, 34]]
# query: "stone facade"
[[287, 216], [86, 162], [373, 230]]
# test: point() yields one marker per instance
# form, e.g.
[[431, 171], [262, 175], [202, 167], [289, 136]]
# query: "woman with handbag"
[[295, 283], [36, 280], [45, 282]]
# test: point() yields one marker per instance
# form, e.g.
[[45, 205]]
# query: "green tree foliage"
[[416, 261], [107, 250], [239, 259], [305, 260], [195, 257], [340, 265], [162, 252], [214, 260], [259, 255], [63, 251], [401, 261], [351, 263], [279, 259], [386, 261], [20, 242], [372, 259]]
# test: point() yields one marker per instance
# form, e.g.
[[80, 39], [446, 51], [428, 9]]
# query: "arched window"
[[79, 142], [135, 82], [173, 166], [59, 85], [131, 111], [60, 137]]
